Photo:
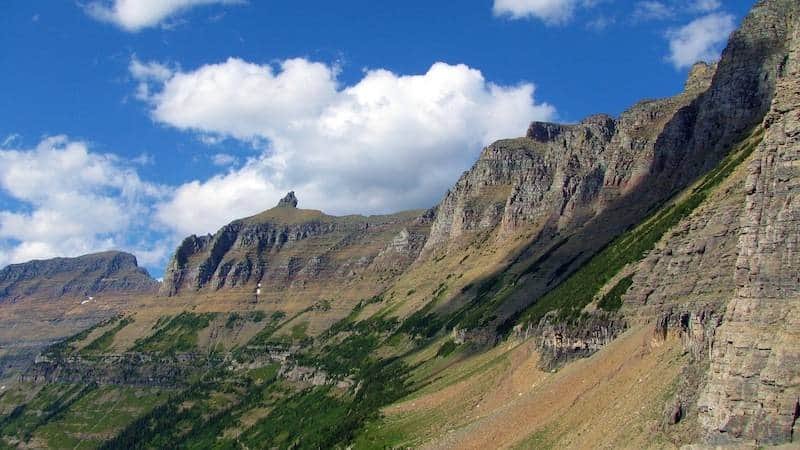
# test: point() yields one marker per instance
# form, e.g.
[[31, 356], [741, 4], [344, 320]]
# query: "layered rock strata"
[[753, 390], [114, 273], [725, 280], [289, 248]]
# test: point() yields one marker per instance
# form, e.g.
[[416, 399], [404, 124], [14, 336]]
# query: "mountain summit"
[[289, 201]]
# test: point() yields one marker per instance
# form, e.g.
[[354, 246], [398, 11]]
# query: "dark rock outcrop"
[[694, 327], [560, 342], [132, 369], [289, 201]]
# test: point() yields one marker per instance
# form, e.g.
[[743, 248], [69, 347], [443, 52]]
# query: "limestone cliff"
[[571, 189], [286, 248], [561, 176], [753, 390], [726, 279]]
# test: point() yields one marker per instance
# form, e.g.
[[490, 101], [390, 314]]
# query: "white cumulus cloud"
[[203, 207], [71, 201], [385, 143], [553, 12], [700, 40], [134, 15]]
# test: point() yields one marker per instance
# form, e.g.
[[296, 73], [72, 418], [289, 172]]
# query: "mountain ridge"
[[618, 282], [81, 276]]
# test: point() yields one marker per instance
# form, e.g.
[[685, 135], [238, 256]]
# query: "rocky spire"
[[290, 201]]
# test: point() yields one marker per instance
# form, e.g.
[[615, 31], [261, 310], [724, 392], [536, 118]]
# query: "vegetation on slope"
[[210, 413], [102, 343], [48, 406], [318, 417], [612, 301], [179, 335], [95, 415], [68, 345]]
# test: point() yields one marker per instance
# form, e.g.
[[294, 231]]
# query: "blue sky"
[[131, 123]]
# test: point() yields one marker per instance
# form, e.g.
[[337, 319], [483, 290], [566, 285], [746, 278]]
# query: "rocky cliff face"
[[561, 176], [568, 190], [559, 342], [88, 275], [753, 389], [726, 278], [575, 187], [290, 248]]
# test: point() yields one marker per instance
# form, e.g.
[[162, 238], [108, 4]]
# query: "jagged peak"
[[289, 201]]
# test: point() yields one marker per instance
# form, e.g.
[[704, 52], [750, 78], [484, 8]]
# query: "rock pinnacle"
[[290, 201]]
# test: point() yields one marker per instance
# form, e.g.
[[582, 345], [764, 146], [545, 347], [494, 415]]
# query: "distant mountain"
[[109, 272], [44, 301]]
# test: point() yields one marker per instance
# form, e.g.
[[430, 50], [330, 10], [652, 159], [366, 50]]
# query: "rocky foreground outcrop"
[[753, 391], [726, 279], [112, 273]]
